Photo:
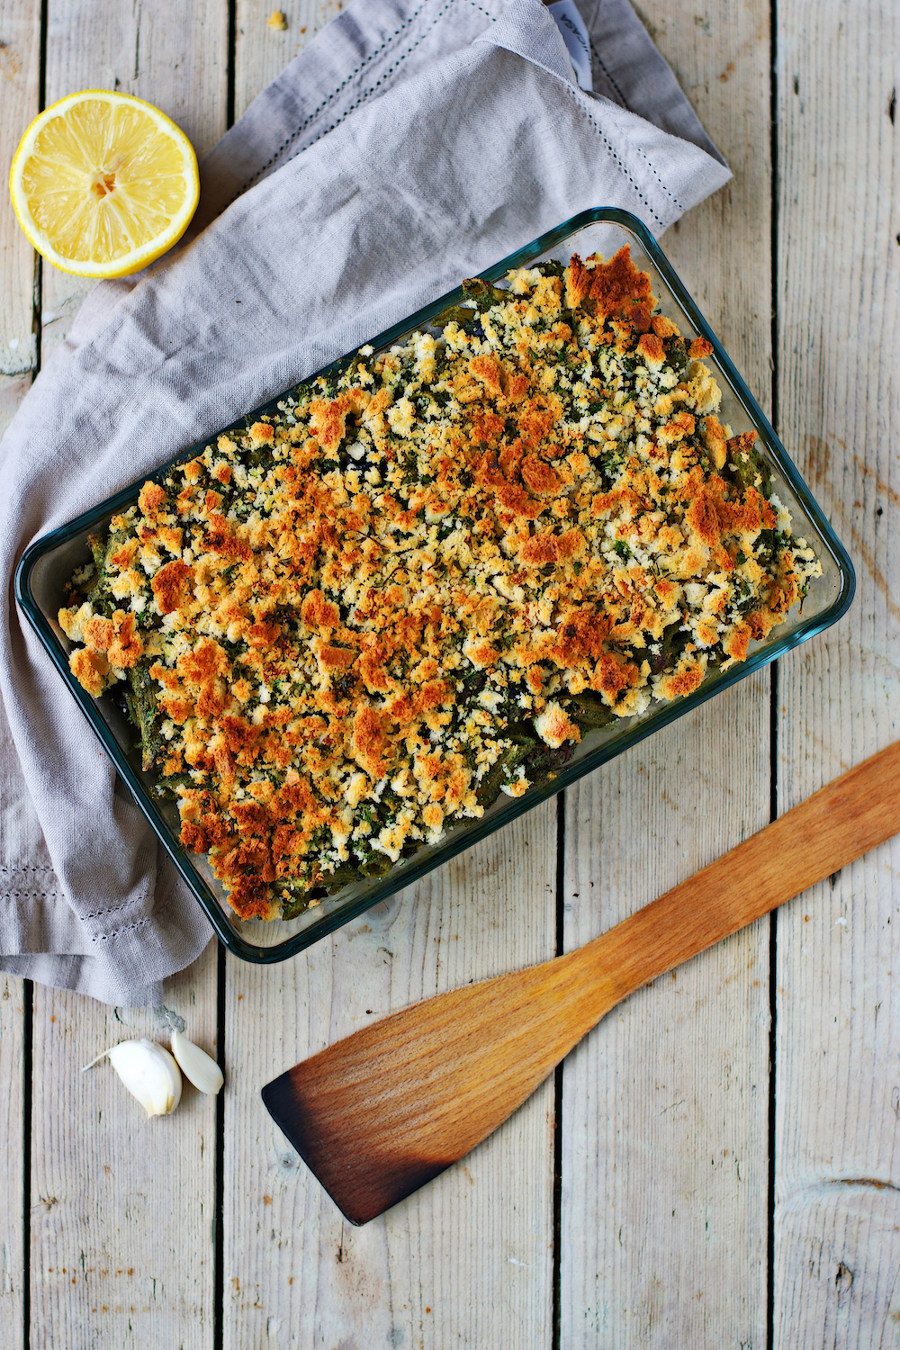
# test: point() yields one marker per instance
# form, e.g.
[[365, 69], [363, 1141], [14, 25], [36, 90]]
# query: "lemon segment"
[[102, 183]]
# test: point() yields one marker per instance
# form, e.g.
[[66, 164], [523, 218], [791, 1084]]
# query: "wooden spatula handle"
[[806, 844], [383, 1111]]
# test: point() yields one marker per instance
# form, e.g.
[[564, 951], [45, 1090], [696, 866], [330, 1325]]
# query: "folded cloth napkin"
[[411, 143]]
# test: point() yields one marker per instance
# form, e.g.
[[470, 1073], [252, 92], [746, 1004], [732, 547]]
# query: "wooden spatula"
[[383, 1111]]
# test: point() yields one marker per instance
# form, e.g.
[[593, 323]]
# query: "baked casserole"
[[420, 583]]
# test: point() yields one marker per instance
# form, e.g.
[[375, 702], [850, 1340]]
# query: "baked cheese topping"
[[421, 582]]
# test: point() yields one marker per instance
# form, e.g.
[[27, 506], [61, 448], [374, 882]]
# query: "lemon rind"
[[138, 258]]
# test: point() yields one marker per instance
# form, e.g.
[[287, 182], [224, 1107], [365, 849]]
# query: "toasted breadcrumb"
[[427, 577]]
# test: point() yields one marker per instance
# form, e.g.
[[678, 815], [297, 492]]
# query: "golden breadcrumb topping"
[[426, 577]]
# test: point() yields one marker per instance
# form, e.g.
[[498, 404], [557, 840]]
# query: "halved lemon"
[[102, 183]]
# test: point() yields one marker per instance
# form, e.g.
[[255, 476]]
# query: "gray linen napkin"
[[411, 143]]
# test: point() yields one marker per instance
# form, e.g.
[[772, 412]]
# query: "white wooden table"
[[715, 1166]]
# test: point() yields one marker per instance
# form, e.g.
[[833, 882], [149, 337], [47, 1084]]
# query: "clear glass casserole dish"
[[48, 564]]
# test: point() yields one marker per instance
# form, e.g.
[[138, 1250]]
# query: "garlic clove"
[[150, 1074], [197, 1066]]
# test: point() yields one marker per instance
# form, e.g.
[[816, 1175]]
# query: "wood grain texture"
[[467, 1262], [122, 1209], [19, 88], [13, 994], [261, 53], [470, 1263], [177, 57], [837, 1213], [386, 1109], [121, 1206], [664, 1119]]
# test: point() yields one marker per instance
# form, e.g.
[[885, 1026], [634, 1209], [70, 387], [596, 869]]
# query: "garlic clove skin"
[[150, 1074], [197, 1066]]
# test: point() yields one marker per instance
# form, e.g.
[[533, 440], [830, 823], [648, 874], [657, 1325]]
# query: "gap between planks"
[[773, 692]]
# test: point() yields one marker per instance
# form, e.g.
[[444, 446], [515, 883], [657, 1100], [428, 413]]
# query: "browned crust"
[[310, 623]]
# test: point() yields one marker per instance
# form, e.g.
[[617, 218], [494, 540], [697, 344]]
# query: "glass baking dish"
[[50, 561]]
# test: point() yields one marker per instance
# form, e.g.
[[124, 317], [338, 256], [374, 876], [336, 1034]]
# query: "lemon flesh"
[[103, 183]]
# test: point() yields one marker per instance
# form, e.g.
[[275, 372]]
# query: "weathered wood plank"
[[836, 1217], [262, 51], [19, 88], [467, 1261], [122, 1209], [13, 994], [664, 1115], [295, 1273], [177, 60]]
